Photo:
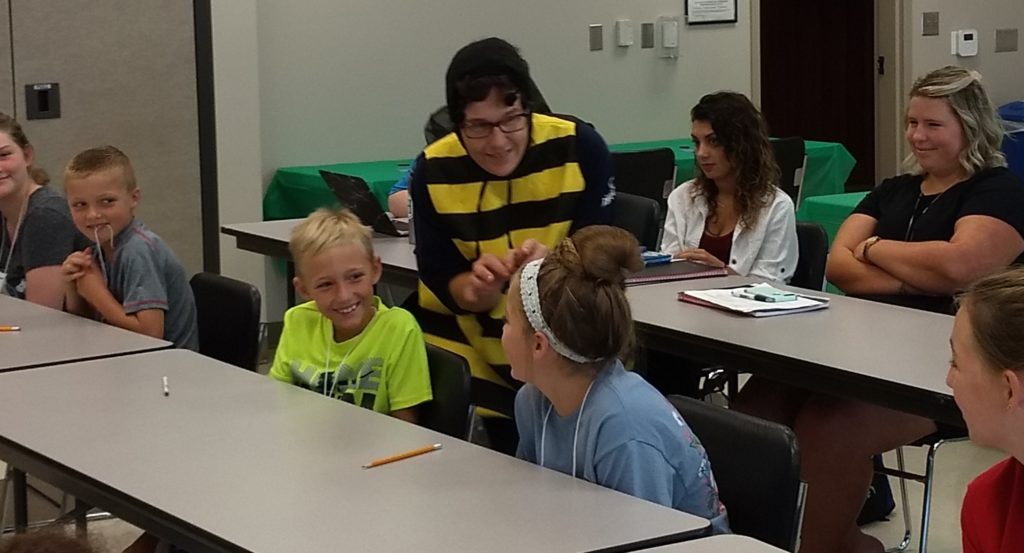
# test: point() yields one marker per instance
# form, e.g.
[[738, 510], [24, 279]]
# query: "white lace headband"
[[531, 306]]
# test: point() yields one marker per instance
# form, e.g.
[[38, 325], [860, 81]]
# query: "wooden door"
[[818, 72]]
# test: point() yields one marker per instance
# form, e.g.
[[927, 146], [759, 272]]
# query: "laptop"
[[353, 193]]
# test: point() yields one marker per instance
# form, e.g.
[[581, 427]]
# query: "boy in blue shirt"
[[130, 278]]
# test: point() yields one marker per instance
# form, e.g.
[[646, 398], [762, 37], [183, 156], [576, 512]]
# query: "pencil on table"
[[400, 456]]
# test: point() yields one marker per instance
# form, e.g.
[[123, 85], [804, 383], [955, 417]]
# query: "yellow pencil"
[[400, 456], [8, 328]]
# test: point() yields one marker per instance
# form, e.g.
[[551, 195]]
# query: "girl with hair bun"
[[567, 328]]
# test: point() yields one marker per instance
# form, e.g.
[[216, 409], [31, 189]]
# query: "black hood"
[[488, 57]]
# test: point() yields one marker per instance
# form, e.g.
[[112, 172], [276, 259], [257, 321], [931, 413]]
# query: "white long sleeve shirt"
[[766, 250]]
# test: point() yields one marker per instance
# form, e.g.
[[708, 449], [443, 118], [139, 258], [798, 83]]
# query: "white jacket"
[[768, 250]]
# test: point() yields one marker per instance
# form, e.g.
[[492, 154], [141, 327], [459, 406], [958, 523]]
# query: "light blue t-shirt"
[[402, 183], [630, 439]]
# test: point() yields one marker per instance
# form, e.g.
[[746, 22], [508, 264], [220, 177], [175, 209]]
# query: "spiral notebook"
[[726, 300], [677, 270]]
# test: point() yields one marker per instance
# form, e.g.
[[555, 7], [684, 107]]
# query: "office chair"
[[647, 173], [449, 411], [791, 156], [640, 216], [228, 316], [812, 243], [944, 435], [756, 464]]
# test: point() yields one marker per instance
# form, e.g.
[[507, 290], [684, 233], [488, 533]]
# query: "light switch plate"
[[596, 37], [623, 32], [666, 36]]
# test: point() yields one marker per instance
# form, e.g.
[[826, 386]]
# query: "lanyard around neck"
[[575, 434], [14, 241]]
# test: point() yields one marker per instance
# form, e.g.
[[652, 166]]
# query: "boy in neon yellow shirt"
[[345, 343]]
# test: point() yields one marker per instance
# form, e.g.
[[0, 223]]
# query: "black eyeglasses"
[[483, 129]]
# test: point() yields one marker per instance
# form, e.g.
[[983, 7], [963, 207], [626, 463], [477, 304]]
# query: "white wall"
[[1003, 72], [237, 104], [353, 81], [350, 81]]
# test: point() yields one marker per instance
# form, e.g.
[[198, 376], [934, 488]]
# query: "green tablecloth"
[[828, 163], [297, 191], [829, 211]]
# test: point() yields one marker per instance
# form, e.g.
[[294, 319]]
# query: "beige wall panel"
[[6, 77], [1002, 73], [126, 70]]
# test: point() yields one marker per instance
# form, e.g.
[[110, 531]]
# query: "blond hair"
[[325, 229], [101, 158], [983, 134], [995, 310]]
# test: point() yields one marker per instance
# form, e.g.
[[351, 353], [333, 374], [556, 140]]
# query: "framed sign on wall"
[[706, 12]]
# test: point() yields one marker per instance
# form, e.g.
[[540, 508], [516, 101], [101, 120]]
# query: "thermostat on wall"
[[964, 43]]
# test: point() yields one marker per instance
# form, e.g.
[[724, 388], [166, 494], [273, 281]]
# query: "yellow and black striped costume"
[[462, 212]]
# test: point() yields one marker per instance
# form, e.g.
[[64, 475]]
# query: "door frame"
[[891, 18], [207, 123], [890, 101]]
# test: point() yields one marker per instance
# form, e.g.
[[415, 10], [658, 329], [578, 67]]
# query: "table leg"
[[81, 517], [20, 501]]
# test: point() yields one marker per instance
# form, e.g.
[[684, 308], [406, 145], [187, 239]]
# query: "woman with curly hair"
[[733, 214]]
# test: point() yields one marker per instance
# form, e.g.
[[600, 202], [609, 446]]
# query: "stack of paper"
[[723, 298]]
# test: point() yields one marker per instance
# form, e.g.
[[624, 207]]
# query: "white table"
[[51, 337], [717, 544], [890, 355], [893, 356], [233, 461], [271, 238]]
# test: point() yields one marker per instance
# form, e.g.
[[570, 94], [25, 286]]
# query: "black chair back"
[[647, 173], [228, 316], [812, 241], [640, 216], [449, 411], [756, 464], [790, 155]]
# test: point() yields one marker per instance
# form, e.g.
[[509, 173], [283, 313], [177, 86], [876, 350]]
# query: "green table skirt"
[[829, 211], [296, 191], [828, 163]]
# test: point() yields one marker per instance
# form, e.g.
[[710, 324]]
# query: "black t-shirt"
[[46, 237], [903, 213]]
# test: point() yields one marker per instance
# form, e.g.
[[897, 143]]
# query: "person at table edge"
[[507, 184]]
